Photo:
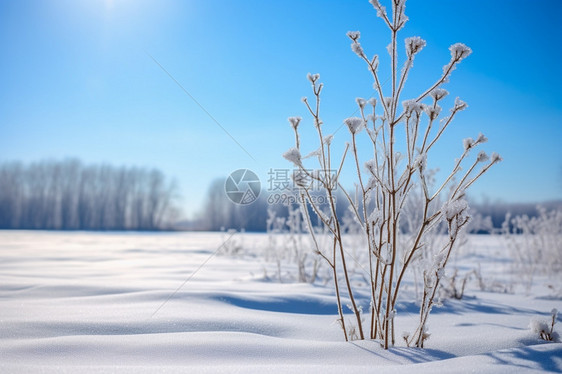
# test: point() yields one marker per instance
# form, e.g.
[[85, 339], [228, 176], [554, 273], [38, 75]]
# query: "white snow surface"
[[80, 302]]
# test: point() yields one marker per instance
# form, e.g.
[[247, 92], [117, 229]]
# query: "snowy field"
[[107, 302]]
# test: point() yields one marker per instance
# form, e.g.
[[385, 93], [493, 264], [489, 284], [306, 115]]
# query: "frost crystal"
[[482, 156], [414, 45], [313, 153], [439, 93], [495, 158], [354, 124], [381, 11], [459, 104], [459, 51], [371, 166], [361, 102], [432, 112], [467, 143], [455, 208], [357, 49], [371, 184], [354, 35], [372, 101], [481, 138], [411, 106], [293, 155], [313, 77], [295, 121], [387, 102], [538, 325], [328, 139], [421, 161]]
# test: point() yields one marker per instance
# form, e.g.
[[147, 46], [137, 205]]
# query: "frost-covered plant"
[[233, 242], [544, 328], [288, 244], [536, 244], [455, 284], [386, 180]]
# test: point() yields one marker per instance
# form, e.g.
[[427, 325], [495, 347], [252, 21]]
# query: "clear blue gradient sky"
[[76, 80]]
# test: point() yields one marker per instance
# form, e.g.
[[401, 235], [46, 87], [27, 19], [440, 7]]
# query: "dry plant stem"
[[426, 306], [413, 250], [336, 229], [332, 264], [338, 297]]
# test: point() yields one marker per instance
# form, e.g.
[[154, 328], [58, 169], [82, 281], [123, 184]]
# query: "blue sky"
[[77, 80]]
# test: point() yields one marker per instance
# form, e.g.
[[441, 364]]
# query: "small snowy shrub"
[[536, 245], [233, 242], [544, 328], [288, 244], [454, 285], [402, 135]]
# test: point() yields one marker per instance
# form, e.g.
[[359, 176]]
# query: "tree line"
[[69, 195], [219, 213]]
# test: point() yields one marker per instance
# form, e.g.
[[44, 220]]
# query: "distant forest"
[[68, 195], [219, 213]]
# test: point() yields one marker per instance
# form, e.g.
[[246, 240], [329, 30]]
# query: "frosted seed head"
[[438, 93], [312, 77], [459, 105], [361, 102], [432, 112], [459, 51], [414, 45], [354, 124], [293, 155], [481, 138], [482, 156], [294, 121], [372, 101], [354, 35], [495, 158], [412, 106]]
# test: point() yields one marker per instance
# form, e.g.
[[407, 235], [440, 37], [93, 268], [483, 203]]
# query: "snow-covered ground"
[[166, 302]]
